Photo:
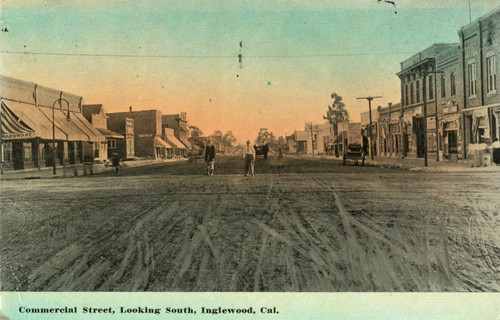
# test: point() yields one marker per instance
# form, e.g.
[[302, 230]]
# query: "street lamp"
[[54, 130]]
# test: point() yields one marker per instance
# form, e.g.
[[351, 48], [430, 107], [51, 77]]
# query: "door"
[[17, 155], [452, 141], [71, 152], [420, 134]]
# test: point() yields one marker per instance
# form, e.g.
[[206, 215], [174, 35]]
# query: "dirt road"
[[312, 226]]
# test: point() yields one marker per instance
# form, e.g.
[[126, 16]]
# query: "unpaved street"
[[313, 226]]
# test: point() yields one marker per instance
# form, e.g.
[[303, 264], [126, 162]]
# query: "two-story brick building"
[[178, 122], [419, 76], [148, 132], [480, 41]]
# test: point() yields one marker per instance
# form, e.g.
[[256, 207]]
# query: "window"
[[7, 151], [411, 93], [491, 75], [111, 144], [443, 87], [431, 87], [471, 68], [27, 153], [406, 95], [452, 84], [417, 90]]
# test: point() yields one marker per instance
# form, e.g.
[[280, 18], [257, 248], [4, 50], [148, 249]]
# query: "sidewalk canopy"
[[73, 132], [33, 118], [159, 142], [85, 126], [39, 120], [110, 134], [175, 142], [186, 143], [13, 128]]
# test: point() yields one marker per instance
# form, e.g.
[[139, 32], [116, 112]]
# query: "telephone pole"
[[370, 98], [312, 139]]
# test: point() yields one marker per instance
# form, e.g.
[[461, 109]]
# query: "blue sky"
[[305, 49]]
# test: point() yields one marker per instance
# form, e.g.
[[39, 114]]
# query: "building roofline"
[[481, 18]]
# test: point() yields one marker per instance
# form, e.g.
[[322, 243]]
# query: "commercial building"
[[480, 41], [148, 132], [394, 137], [43, 126], [124, 126], [94, 113], [178, 122], [420, 94], [175, 148]]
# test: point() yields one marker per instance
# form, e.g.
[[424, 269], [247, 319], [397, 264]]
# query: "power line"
[[197, 56]]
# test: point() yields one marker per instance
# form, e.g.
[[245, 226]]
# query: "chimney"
[[130, 109]]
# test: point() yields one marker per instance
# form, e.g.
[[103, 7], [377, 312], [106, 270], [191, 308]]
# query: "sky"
[[182, 56]]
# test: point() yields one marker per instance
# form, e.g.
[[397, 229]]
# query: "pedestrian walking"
[[249, 157], [116, 161], [280, 158], [210, 158]]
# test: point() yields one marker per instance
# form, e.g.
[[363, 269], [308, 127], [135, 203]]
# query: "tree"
[[195, 132], [228, 139], [265, 137], [336, 111], [281, 143], [217, 133]]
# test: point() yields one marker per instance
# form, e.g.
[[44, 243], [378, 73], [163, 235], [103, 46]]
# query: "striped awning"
[[172, 140], [22, 116], [159, 142], [30, 115], [13, 127]]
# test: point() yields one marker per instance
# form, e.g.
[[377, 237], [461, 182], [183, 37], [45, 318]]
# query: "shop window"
[[27, 152], [472, 79], [7, 152], [452, 84], [491, 75], [111, 144]]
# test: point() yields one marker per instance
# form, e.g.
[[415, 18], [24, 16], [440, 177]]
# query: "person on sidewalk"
[[249, 157], [280, 158], [116, 161], [210, 158]]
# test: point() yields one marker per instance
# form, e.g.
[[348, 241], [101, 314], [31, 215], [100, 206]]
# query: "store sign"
[[15, 136], [145, 135]]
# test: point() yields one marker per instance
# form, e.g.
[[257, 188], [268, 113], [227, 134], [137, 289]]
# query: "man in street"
[[116, 161], [210, 158], [249, 157]]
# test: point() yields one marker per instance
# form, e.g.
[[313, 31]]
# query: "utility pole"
[[370, 98], [312, 139]]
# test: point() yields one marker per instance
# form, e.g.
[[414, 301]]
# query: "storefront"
[[451, 137], [42, 127]]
